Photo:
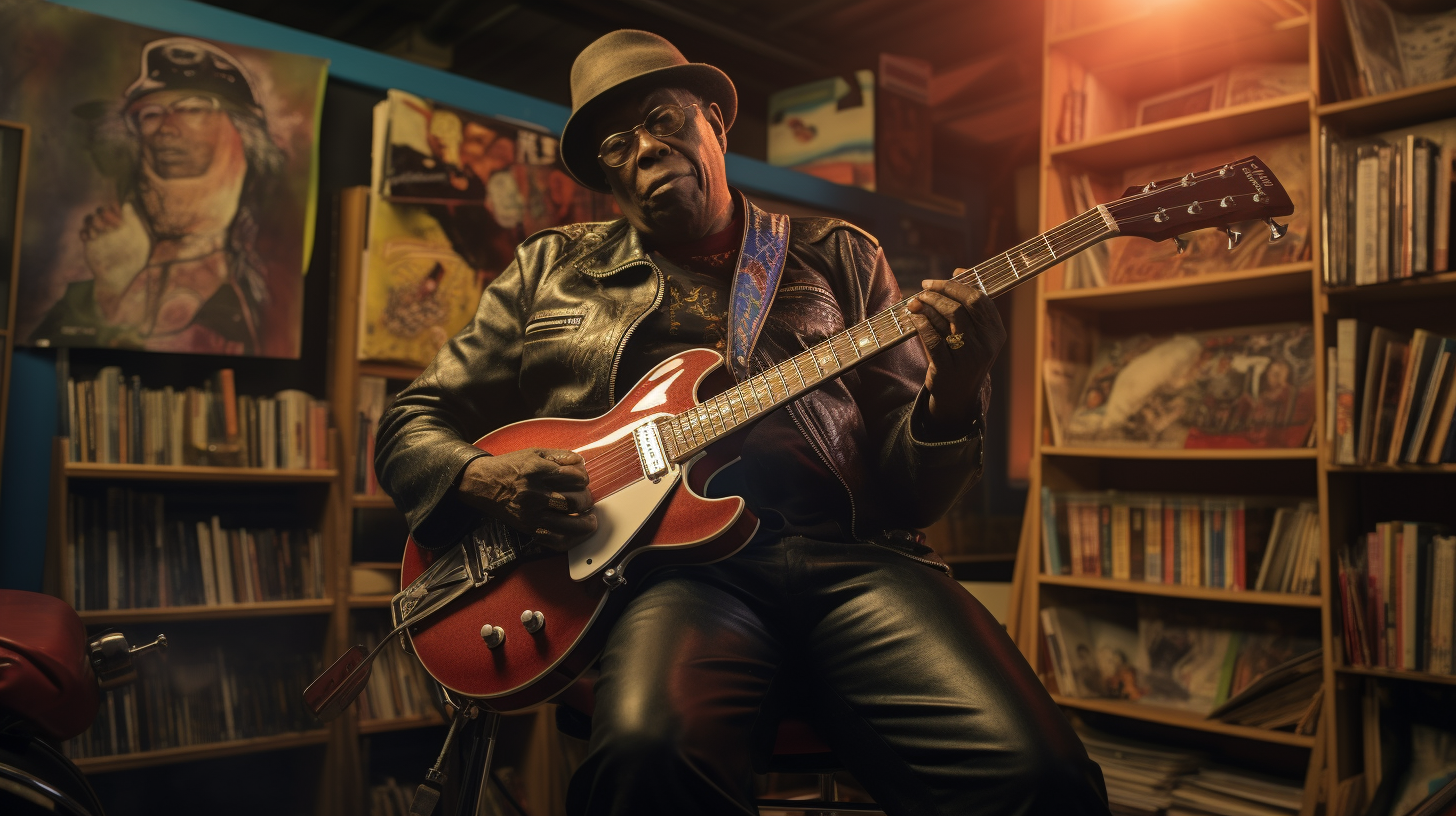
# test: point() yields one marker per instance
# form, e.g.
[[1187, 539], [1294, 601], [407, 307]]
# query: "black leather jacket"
[[550, 331]]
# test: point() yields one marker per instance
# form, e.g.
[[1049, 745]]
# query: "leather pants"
[[915, 686]]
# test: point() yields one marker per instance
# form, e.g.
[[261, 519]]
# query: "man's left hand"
[[962, 334]]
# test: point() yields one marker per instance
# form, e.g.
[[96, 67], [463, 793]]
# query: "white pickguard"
[[619, 517]]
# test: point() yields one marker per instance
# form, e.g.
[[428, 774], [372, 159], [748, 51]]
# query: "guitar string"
[[999, 271]]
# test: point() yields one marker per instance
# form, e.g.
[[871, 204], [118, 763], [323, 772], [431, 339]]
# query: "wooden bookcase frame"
[[1186, 50], [12, 270]]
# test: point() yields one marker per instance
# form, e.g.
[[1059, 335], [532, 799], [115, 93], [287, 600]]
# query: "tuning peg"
[[1276, 229], [1224, 171], [1234, 236], [1180, 242], [1195, 208], [1160, 216], [1148, 188], [1188, 180], [1226, 202]]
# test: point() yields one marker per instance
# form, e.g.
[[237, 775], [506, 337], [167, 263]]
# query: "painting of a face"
[[179, 131]]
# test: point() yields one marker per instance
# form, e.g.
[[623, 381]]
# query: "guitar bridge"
[[650, 450]]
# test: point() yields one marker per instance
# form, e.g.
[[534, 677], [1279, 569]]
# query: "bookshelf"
[[1151, 50], [1146, 52]]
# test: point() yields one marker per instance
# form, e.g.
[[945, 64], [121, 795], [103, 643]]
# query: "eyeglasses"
[[664, 120], [189, 111]]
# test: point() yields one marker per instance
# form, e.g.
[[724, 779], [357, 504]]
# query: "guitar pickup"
[[650, 451]]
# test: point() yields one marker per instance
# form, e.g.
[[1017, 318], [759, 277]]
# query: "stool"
[[797, 749]]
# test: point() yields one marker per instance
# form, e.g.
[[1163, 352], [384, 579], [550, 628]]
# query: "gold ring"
[[956, 340], [557, 503]]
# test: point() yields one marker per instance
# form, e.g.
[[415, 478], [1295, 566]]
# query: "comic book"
[[1243, 387], [452, 196]]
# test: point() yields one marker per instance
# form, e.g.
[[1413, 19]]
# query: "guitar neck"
[[689, 432]]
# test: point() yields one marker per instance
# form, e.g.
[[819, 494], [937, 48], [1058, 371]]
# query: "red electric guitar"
[[510, 625]]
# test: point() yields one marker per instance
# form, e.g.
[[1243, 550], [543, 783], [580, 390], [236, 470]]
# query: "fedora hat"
[[617, 63]]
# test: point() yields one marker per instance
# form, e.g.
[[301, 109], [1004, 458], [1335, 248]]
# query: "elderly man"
[[172, 261], [835, 601]]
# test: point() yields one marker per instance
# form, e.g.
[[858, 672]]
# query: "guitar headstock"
[[1245, 190]]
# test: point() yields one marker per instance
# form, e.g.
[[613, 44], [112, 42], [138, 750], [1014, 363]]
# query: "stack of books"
[[1396, 598], [1140, 776], [1394, 395], [398, 687], [1147, 779], [1237, 542], [113, 419], [127, 552], [205, 699], [1218, 791]]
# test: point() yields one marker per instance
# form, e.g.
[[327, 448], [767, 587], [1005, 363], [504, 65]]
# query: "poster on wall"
[[173, 185], [453, 194]]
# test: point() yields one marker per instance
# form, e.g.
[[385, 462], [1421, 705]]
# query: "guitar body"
[[642, 526]]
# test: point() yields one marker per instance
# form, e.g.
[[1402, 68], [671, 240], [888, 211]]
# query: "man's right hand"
[[538, 491]]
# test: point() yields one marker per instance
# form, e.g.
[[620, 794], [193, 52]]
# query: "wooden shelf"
[[1187, 135], [1442, 468], [978, 558], [380, 501], [1153, 51], [1399, 674], [1182, 719], [1243, 284], [1423, 286], [392, 371], [370, 601], [1182, 591], [399, 724], [188, 753], [263, 609], [1194, 454], [194, 473], [1407, 106]]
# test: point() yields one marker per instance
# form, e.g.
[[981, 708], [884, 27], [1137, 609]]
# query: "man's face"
[[179, 131], [672, 188]]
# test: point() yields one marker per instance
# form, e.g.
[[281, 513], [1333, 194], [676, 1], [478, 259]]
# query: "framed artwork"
[[1200, 97], [176, 211], [14, 143]]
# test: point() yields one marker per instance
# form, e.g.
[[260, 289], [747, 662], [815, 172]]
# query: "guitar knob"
[[533, 621], [1276, 229], [1234, 236], [493, 636], [1180, 242]]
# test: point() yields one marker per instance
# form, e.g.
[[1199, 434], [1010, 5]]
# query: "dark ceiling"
[[985, 51]]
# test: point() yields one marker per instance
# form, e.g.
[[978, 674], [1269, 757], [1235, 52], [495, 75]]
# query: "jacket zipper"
[[622, 346]]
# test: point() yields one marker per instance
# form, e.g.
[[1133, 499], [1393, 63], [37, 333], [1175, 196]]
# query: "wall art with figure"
[[173, 185], [453, 194]]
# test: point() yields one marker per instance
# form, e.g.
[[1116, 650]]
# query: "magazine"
[[453, 194], [1246, 387]]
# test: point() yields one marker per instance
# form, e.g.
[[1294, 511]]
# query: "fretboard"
[[689, 432]]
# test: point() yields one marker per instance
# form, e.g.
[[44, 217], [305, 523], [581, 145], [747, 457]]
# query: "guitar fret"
[[829, 344], [799, 371], [682, 441], [753, 392], [778, 369], [899, 329], [731, 407], [710, 414]]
